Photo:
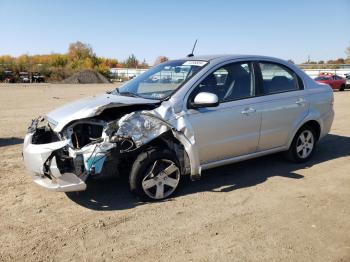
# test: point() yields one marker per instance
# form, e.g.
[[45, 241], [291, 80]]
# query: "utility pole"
[[30, 70]]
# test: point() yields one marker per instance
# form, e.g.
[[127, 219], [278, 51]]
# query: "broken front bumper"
[[36, 155]]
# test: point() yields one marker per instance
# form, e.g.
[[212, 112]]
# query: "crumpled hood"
[[89, 107]]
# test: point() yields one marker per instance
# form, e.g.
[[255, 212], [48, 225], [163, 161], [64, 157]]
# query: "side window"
[[230, 82], [338, 78], [277, 78]]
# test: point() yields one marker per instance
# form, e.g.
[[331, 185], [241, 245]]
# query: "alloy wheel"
[[161, 179], [305, 144]]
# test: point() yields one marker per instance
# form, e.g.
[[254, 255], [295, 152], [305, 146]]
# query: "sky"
[[285, 29]]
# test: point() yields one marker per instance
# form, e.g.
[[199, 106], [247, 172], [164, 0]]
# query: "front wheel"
[[303, 145], [342, 88], [155, 174]]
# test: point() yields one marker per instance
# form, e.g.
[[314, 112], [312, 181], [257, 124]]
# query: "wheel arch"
[[169, 141], [315, 124]]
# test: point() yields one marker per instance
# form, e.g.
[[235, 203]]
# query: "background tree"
[[131, 62], [80, 51], [144, 64], [347, 60], [81, 56], [161, 59]]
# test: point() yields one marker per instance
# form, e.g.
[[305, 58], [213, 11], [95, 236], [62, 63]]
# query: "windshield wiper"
[[112, 91], [127, 94]]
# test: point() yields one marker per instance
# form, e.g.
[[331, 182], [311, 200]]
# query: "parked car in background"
[[335, 81], [38, 78], [226, 109], [347, 81], [24, 77], [8, 76]]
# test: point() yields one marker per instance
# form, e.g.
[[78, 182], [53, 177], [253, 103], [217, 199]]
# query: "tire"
[[342, 88], [299, 151], [148, 179]]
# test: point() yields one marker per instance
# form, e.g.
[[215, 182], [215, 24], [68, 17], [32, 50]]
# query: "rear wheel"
[[303, 145], [155, 174], [342, 88]]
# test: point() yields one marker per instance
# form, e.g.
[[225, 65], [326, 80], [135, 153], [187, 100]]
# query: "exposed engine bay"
[[104, 145]]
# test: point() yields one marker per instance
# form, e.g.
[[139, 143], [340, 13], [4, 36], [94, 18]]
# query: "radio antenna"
[[194, 46]]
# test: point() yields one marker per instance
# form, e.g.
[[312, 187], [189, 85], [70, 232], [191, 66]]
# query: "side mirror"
[[205, 99]]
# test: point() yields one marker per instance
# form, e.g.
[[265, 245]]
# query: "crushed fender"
[[144, 126]]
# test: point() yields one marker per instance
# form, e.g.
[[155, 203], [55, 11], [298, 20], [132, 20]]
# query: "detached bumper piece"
[[41, 163], [68, 182]]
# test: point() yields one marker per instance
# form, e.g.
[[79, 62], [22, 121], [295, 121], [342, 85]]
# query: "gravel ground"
[[259, 210]]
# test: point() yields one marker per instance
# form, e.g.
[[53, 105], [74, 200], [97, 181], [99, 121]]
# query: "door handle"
[[300, 101], [248, 111]]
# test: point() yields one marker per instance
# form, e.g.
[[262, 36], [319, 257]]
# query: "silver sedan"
[[180, 118]]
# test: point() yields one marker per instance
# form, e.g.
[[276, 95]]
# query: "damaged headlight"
[[40, 122], [140, 128], [37, 123]]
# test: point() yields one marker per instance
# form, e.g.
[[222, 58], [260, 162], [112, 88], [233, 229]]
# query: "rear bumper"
[[327, 121], [35, 159]]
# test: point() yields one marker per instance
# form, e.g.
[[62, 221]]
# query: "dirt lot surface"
[[259, 210]]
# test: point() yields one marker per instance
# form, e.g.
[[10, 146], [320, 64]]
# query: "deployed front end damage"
[[56, 161], [142, 127], [96, 147]]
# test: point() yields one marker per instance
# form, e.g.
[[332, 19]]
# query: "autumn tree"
[[7, 60], [79, 50], [57, 60], [161, 59], [81, 56], [23, 63], [108, 62]]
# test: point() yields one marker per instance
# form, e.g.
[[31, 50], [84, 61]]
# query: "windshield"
[[162, 80]]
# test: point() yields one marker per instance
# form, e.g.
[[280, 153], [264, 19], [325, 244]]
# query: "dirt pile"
[[86, 77]]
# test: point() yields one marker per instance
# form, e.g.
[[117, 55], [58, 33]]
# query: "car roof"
[[225, 57], [326, 74]]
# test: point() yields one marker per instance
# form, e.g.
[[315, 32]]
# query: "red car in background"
[[335, 81]]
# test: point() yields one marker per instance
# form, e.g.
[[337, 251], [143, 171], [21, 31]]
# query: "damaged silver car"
[[180, 117]]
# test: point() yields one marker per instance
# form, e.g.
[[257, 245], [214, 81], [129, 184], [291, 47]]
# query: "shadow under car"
[[115, 195]]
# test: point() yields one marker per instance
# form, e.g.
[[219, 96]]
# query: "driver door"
[[232, 128]]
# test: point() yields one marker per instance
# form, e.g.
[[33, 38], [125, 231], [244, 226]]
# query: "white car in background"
[[223, 109], [347, 80]]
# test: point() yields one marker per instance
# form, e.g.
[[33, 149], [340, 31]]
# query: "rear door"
[[284, 104]]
